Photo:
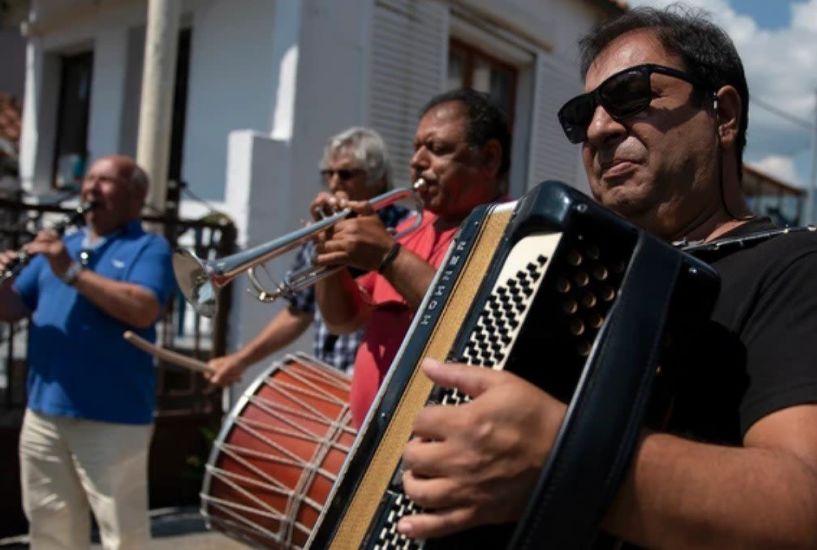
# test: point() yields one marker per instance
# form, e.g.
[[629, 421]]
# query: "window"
[[468, 67], [71, 147]]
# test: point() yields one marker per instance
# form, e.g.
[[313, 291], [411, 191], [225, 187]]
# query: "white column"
[[108, 96], [39, 118], [155, 109]]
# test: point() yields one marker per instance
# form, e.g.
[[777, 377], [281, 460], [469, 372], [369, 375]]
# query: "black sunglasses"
[[622, 95], [345, 174]]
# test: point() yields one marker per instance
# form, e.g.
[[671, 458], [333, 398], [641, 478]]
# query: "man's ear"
[[728, 112], [491, 154]]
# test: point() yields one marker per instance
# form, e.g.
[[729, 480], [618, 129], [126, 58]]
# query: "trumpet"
[[200, 280], [23, 257]]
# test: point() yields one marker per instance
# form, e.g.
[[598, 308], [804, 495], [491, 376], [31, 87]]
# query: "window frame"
[[471, 54]]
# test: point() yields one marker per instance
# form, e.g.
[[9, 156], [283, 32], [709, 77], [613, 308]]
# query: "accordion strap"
[[595, 444], [730, 244]]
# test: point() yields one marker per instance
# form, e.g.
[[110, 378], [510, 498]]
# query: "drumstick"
[[167, 355]]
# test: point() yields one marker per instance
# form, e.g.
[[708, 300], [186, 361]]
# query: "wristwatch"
[[71, 274]]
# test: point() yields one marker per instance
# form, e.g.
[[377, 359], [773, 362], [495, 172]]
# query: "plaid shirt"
[[338, 351]]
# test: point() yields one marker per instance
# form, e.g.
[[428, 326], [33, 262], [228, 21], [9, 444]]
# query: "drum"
[[278, 454]]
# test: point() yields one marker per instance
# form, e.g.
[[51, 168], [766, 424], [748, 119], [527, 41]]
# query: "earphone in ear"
[[715, 104]]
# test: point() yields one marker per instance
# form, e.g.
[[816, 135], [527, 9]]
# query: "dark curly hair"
[[486, 121]]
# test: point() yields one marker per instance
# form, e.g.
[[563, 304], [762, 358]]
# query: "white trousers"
[[71, 466]]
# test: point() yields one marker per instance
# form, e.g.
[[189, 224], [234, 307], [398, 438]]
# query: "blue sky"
[[769, 14], [777, 40]]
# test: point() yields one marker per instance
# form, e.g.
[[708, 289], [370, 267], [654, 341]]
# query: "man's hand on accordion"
[[477, 463]]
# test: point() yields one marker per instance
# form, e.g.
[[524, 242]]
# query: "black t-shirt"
[[758, 354]]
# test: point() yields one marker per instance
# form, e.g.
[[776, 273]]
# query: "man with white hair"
[[355, 162]]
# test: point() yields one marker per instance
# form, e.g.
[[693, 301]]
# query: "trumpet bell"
[[195, 282]]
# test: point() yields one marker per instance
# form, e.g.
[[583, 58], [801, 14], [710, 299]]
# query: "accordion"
[[566, 295]]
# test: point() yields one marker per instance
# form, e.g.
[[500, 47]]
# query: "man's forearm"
[[126, 302], [342, 303], [411, 276], [685, 494], [284, 329]]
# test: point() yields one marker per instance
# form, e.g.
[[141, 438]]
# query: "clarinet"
[[23, 257]]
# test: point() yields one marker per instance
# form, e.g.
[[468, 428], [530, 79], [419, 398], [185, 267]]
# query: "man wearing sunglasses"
[[662, 128], [355, 164], [462, 153]]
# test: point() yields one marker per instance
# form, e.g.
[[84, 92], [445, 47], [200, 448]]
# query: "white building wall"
[[252, 157], [108, 91], [572, 20], [408, 56], [331, 88], [56, 32], [317, 88], [230, 85], [324, 92], [317, 81]]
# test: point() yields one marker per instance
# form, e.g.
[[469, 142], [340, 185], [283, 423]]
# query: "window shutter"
[[552, 155], [409, 52]]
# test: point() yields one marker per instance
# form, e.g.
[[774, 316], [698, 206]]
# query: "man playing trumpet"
[[87, 427], [355, 164], [462, 154]]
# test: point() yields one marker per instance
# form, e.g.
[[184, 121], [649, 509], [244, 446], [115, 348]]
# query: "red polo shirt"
[[391, 316]]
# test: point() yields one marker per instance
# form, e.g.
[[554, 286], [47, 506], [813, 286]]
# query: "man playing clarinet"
[[89, 417]]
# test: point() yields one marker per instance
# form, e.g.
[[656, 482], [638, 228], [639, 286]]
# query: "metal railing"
[[179, 392]]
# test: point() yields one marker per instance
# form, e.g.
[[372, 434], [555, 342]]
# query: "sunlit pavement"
[[177, 529]]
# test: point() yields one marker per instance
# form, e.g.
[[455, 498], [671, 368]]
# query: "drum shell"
[[277, 455]]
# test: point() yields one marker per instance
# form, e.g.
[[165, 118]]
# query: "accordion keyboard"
[[488, 345], [500, 321], [581, 285], [399, 505]]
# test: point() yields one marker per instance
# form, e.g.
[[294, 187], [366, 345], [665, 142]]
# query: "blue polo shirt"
[[78, 363]]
